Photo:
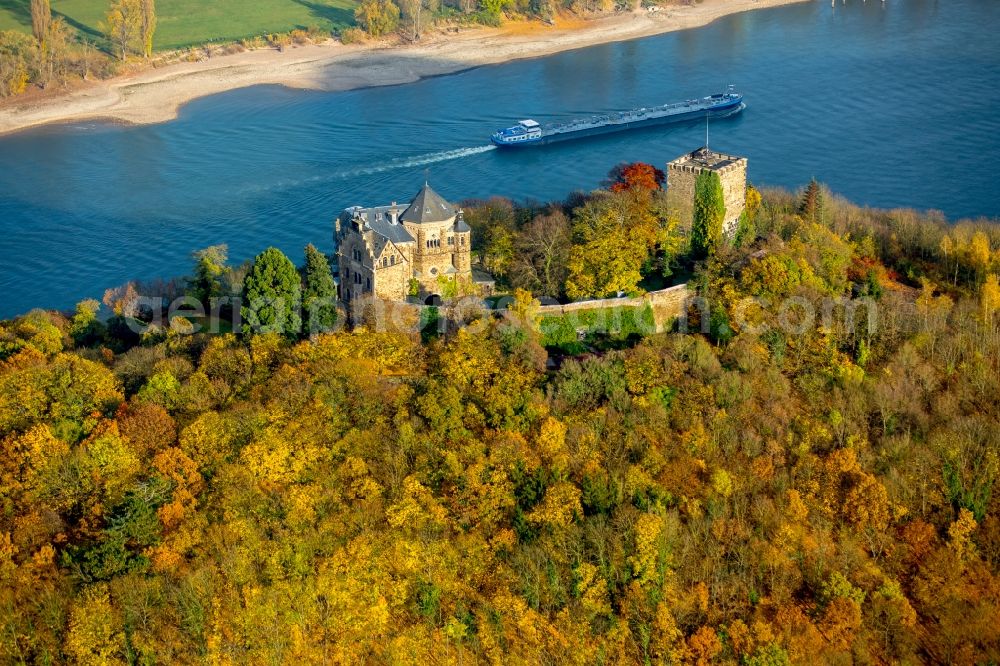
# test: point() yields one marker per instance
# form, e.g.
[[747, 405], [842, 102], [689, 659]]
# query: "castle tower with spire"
[[382, 250]]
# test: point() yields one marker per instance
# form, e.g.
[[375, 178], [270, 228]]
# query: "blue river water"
[[892, 104]]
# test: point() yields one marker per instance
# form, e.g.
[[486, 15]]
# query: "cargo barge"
[[532, 133]]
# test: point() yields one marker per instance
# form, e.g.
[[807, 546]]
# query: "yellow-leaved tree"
[[614, 237], [96, 634]]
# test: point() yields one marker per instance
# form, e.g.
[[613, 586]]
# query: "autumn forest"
[[732, 493]]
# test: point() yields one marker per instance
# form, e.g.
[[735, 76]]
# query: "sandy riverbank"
[[156, 95]]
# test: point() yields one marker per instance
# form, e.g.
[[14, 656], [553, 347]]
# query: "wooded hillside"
[[814, 491]]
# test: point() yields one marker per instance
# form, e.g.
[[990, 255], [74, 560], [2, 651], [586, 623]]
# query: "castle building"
[[380, 250], [684, 171]]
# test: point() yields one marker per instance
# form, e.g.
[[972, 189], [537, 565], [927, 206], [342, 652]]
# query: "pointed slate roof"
[[428, 206]]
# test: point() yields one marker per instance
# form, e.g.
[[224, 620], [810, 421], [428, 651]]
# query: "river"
[[890, 104]]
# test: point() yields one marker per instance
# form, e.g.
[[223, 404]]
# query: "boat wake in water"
[[419, 160], [391, 165]]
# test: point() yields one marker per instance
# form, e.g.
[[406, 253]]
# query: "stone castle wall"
[[390, 314], [734, 189], [432, 262], [667, 304], [349, 266], [393, 282]]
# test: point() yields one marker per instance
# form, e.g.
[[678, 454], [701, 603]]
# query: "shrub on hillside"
[[279, 40], [317, 34], [486, 18], [256, 42], [353, 36]]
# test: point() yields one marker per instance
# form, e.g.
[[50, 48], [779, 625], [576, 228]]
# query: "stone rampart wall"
[[667, 304]]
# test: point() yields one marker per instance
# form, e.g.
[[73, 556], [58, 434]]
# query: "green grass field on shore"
[[184, 23]]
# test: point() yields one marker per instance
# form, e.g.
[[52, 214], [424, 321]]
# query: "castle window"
[[385, 262], [451, 240], [463, 240], [368, 283], [392, 260]]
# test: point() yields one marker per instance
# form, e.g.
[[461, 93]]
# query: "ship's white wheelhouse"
[[532, 129]]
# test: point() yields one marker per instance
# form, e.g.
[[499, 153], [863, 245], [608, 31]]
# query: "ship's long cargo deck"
[[530, 132], [637, 124]]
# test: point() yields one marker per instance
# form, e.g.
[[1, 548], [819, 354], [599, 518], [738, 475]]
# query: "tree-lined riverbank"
[[156, 95]]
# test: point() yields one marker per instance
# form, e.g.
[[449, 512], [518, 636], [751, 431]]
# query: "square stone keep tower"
[[732, 169]]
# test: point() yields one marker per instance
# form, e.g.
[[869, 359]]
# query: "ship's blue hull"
[[720, 111]]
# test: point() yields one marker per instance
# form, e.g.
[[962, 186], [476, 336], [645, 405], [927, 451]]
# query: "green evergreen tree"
[[319, 299], [272, 296], [709, 213], [812, 206], [209, 268]]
